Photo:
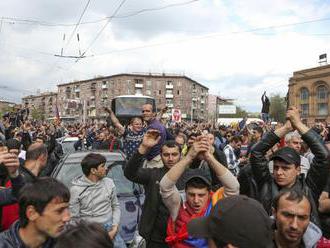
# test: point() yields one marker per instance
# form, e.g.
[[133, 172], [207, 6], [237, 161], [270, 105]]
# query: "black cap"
[[236, 220], [288, 155], [197, 173]]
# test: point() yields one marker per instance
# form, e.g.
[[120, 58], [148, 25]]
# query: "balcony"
[[202, 101], [170, 105], [77, 90], [169, 86], [93, 87], [104, 86], [194, 99], [139, 86], [169, 96], [92, 97]]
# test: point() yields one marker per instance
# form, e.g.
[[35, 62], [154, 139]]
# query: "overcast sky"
[[236, 48]]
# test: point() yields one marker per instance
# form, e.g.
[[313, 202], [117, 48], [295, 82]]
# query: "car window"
[[69, 171]]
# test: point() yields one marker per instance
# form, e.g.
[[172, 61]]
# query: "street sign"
[[227, 109]]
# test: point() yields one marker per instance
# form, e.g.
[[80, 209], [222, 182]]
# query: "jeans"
[[118, 242]]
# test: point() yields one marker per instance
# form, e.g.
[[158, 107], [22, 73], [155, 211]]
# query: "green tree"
[[37, 114], [277, 108]]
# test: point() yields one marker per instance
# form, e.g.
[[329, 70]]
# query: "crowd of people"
[[242, 185]]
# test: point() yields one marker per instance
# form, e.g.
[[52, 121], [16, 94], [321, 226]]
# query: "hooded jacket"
[[94, 201]]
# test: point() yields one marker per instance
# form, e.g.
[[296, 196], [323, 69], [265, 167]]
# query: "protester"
[[232, 160], [132, 134], [265, 108], [36, 160], [149, 116], [292, 212], [198, 195], [44, 211], [287, 165], [94, 197], [152, 226]]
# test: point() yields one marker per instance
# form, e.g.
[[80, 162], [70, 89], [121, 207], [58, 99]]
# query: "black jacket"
[[10, 238], [312, 185], [149, 178], [9, 196]]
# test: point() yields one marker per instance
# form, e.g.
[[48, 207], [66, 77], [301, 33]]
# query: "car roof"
[[76, 157]]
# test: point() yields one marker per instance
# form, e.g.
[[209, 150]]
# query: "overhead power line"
[[16, 20], [200, 37], [102, 29]]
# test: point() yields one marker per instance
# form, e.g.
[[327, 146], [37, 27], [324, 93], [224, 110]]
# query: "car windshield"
[[72, 169]]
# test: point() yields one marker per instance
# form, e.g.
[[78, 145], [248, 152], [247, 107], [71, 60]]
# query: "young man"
[[236, 221], [287, 165], [229, 150], [292, 211], [152, 226], [94, 197], [198, 193], [43, 214]]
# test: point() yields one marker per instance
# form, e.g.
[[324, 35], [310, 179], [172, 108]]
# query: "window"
[[169, 92], [77, 94], [179, 83], [138, 91], [178, 92], [159, 92], [304, 109], [148, 83], [322, 108], [304, 94], [148, 92], [322, 92], [169, 82]]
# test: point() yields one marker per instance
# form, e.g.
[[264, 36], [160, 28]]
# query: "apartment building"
[[44, 103], [88, 97]]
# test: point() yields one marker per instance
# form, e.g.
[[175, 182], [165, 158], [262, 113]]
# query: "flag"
[[57, 113], [323, 56]]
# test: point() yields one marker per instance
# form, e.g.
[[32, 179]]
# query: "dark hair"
[[293, 195], [198, 183], [38, 194], [91, 160], [235, 139], [35, 151], [171, 144], [13, 144], [85, 234], [259, 130]]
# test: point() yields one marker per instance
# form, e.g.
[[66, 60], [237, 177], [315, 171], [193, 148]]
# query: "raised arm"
[[115, 121], [317, 175], [228, 180], [133, 170], [168, 190], [258, 160]]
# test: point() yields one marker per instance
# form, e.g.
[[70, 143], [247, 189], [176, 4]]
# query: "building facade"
[[5, 106], [309, 90], [44, 103], [213, 106], [88, 97]]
